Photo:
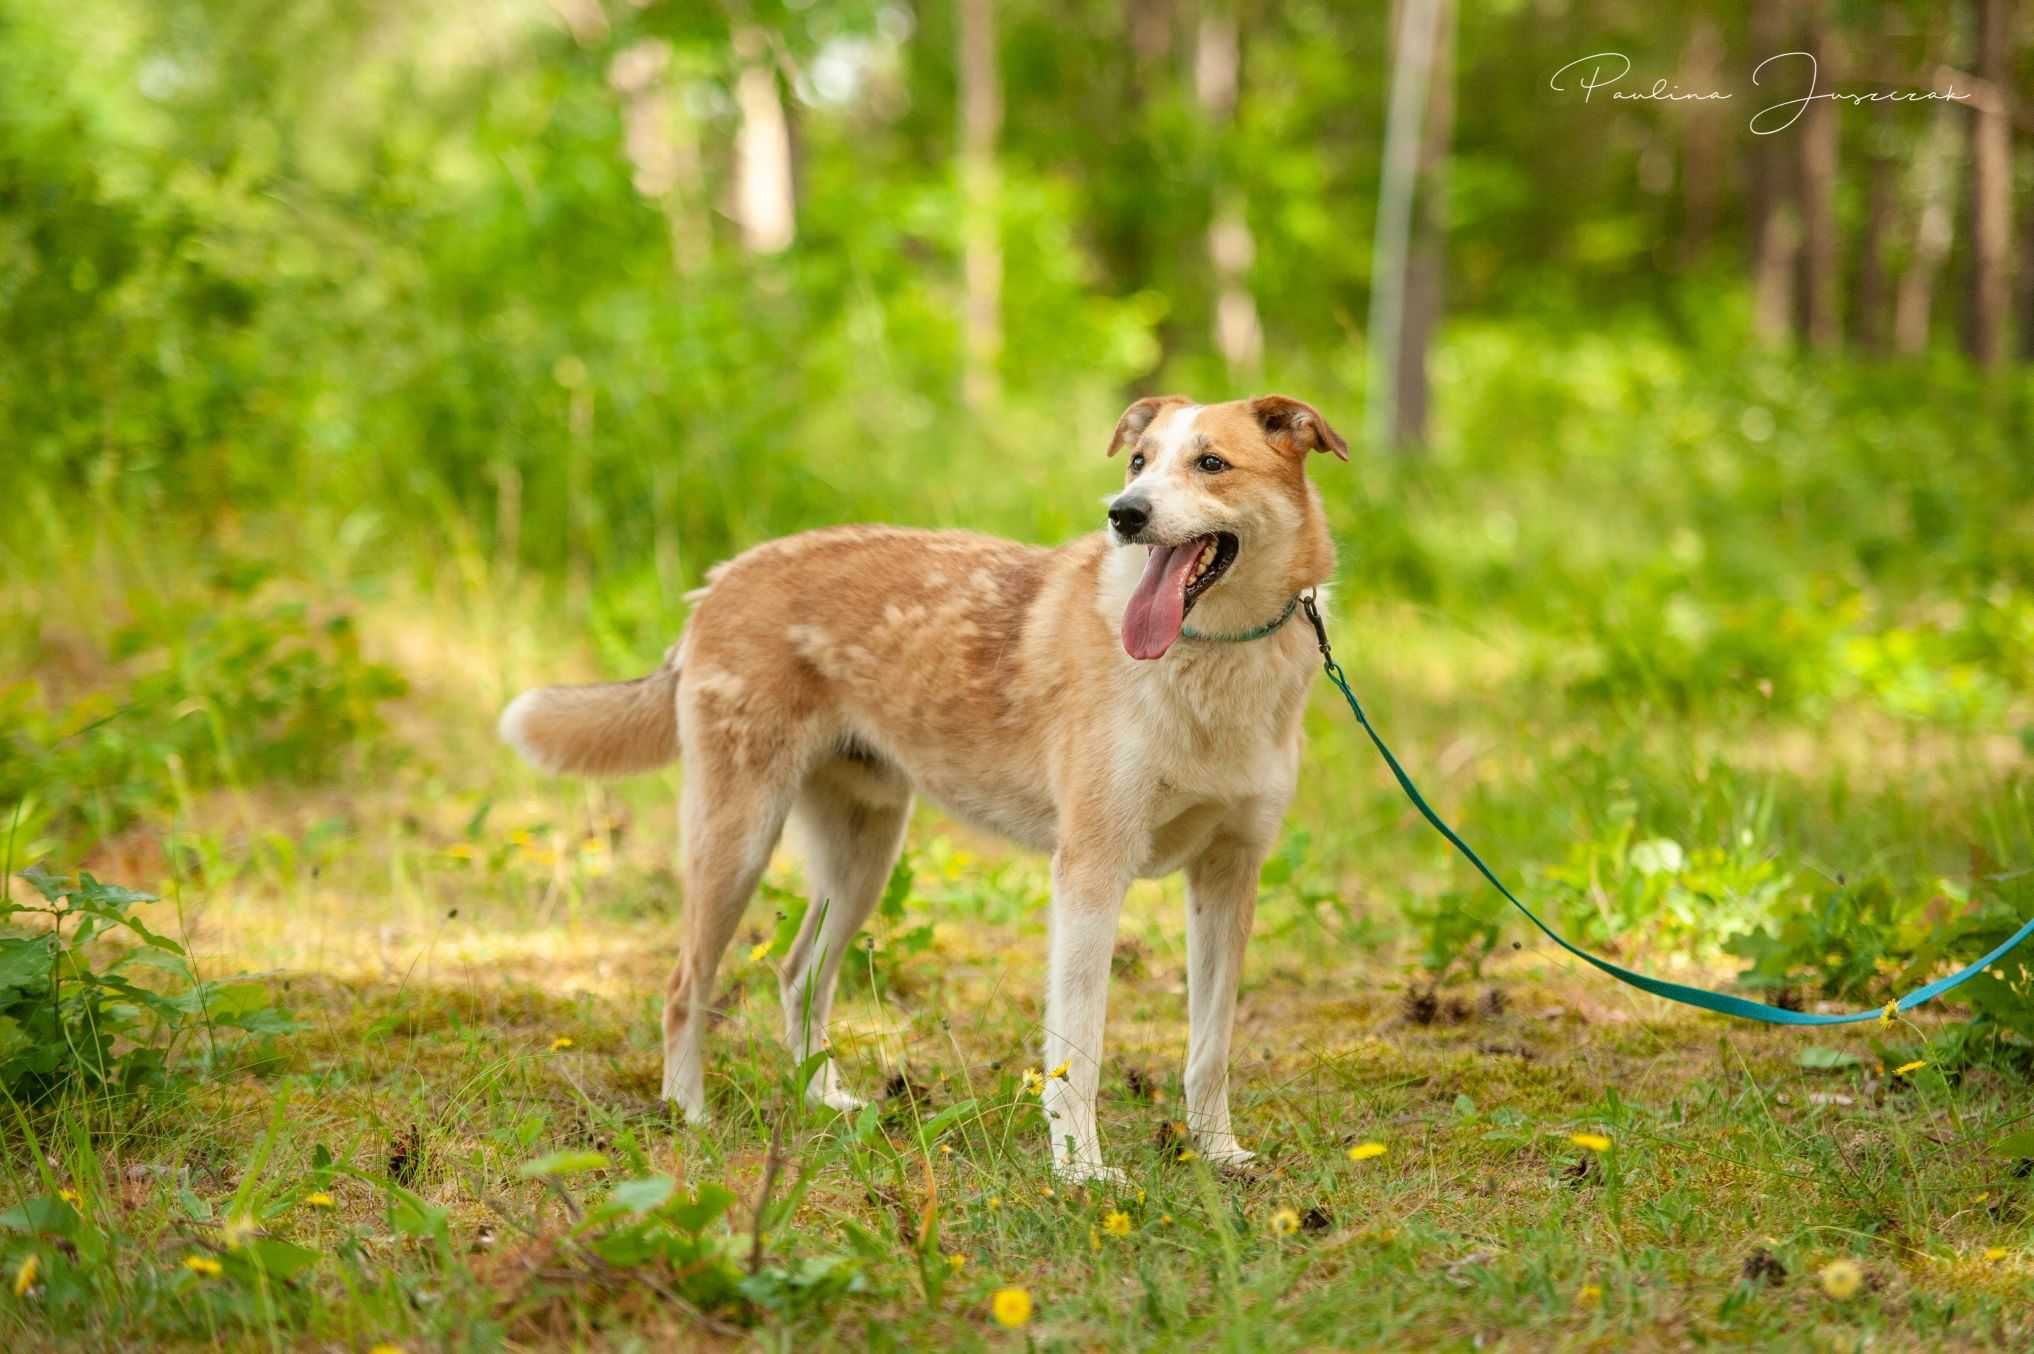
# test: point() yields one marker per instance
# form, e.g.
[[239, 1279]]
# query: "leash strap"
[[1659, 987]]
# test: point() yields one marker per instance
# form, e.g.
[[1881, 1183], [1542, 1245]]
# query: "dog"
[[1055, 697]]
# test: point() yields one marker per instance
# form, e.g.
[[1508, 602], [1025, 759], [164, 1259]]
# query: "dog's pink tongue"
[[1158, 608]]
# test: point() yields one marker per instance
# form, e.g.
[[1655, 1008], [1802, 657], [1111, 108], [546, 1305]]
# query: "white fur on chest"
[[1211, 733]]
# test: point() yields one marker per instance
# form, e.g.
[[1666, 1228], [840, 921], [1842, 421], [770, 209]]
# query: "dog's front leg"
[[1088, 882], [1221, 904]]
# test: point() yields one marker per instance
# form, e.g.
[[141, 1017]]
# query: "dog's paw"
[[695, 1115], [836, 1098], [1230, 1157], [1090, 1173]]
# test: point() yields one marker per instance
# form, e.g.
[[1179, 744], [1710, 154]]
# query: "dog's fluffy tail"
[[607, 729]]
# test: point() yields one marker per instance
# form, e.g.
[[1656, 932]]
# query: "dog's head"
[[1216, 512]]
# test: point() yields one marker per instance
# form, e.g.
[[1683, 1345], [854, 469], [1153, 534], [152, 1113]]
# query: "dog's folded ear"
[[1138, 417], [1295, 426]]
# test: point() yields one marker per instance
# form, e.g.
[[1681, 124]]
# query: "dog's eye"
[[1213, 465], [1137, 463]]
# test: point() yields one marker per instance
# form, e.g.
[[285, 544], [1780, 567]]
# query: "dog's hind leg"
[[1221, 903], [732, 817], [849, 825]]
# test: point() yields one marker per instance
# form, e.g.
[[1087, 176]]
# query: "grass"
[[1686, 687], [464, 917]]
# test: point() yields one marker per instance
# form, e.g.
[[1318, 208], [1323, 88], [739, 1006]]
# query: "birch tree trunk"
[[1415, 47], [1934, 229], [763, 208], [1773, 206], [981, 122], [1238, 334], [1991, 188], [1702, 132], [1818, 277]]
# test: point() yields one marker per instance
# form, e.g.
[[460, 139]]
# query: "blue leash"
[[1659, 987]]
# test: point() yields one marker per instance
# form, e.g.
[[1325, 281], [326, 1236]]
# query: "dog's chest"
[[1214, 736]]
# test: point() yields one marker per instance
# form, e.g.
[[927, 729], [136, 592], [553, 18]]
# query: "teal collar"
[[1245, 636]]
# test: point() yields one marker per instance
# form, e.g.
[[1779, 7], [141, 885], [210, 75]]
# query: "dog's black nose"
[[1129, 516]]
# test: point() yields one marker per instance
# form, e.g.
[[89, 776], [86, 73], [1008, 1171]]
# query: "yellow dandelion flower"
[[1364, 1151], [318, 1198], [71, 1197], [1841, 1279], [1140, 1196], [1994, 1254], [204, 1266], [387, 1349], [25, 1276], [1165, 1219], [1116, 1223], [562, 1042], [957, 1261], [1886, 1016], [946, 1149], [1589, 1295], [1981, 1196], [1188, 1154], [1284, 1222], [995, 1202], [1059, 1073], [1011, 1307], [760, 950], [521, 837], [460, 851], [1034, 1081], [1590, 1142], [1904, 1068]]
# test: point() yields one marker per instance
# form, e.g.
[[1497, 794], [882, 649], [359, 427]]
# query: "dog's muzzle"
[[1129, 515]]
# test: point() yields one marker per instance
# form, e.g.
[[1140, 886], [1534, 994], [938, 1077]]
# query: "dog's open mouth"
[[1175, 576]]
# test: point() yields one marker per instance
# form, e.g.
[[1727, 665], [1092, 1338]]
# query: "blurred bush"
[[217, 689]]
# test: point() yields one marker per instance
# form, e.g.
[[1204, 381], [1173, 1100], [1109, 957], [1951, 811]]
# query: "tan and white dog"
[[1055, 697]]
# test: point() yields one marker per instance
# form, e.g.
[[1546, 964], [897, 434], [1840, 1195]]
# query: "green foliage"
[[219, 689], [76, 1020]]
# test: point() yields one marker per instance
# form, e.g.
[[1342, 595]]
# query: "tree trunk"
[[764, 210], [1416, 43], [1817, 277], [1881, 213], [1775, 222], [1702, 130], [1151, 23], [663, 149], [1934, 229], [2027, 295], [981, 122], [1238, 334], [1426, 266], [1991, 188]]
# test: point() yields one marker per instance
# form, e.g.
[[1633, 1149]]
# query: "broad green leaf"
[[1822, 1059], [48, 885], [563, 1163], [2018, 1145], [91, 893], [280, 1259], [25, 963], [45, 1214], [706, 1204], [640, 1196]]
